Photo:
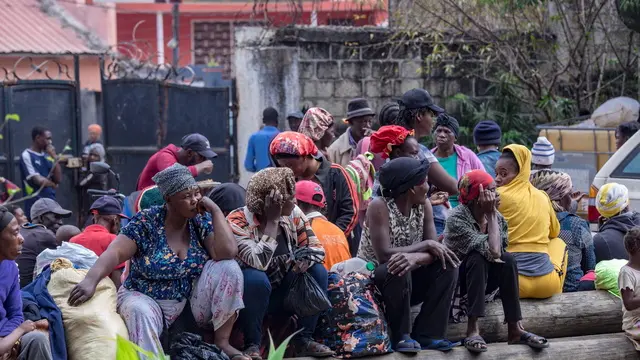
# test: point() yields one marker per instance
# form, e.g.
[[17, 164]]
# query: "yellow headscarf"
[[530, 216], [612, 199]]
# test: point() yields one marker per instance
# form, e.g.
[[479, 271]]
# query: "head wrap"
[[5, 217], [228, 196], [612, 199], [555, 183], [293, 143], [400, 175], [388, 113], [469, 185], [264, 181], [95, 128], [543, 152], [383, 140], [148, 197], [448, 121], [315, 123], [174, 179]]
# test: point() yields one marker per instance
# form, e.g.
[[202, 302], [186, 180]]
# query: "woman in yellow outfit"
[[533, 227]]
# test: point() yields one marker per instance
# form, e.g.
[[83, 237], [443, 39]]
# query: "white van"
[[623, 168]]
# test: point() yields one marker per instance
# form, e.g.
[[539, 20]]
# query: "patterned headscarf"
[[612, 199], [555, 183], [315, 123], [293, 143], [383, 140], [469, 185], [264, 181], [174, 179]]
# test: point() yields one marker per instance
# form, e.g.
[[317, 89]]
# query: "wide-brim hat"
[[357, 108]]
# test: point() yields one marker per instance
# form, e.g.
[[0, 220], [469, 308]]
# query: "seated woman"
[[533, 226], [268, 229], [574, 231], [175, 255], [18, 338], [617, 218], [412, 268], [477, 234]]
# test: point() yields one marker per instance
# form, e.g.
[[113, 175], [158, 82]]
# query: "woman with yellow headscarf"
[[533, 226], [616, 219]]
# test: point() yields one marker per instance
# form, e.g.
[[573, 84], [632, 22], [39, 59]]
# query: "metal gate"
[[48, 103], [144, 115]]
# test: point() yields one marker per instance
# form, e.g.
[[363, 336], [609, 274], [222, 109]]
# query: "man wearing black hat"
[[487, 136], [258, 147], [194, 152], [107, 213], [294, 119], [359, 117], [39, 234]]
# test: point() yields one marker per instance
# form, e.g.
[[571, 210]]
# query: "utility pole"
[[176, 31]]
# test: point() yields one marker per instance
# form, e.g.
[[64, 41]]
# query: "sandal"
[[308, 347], [408, 347], [253, 351], [534, 341], [438, 344], [475, 344]]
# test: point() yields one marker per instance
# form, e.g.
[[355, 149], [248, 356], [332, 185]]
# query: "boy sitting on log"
[[629, 284]]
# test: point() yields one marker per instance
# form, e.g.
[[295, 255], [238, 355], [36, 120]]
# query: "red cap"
[[306, 191]]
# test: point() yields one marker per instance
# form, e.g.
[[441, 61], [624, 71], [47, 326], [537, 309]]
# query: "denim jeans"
[[260, 297]]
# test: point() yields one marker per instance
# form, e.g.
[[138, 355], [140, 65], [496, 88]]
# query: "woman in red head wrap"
[[394, 141], [477, 233]]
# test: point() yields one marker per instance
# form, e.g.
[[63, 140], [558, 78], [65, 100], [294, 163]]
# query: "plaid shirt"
[[575, 232], [256, 250], [462, 234]]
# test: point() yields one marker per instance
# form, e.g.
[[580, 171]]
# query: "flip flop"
[[438, 344], [532, 340], [471, 344], [253, 352], [407, 347]]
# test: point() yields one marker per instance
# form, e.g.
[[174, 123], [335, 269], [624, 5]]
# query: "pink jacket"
[[467, 160]]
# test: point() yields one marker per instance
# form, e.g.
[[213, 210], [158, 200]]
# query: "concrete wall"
[[326, 67]]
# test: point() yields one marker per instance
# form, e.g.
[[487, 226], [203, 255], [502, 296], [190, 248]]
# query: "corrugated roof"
[[25, 29]]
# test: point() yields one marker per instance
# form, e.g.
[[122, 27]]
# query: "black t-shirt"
[[37, 238]]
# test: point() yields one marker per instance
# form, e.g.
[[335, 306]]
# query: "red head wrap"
[[383, 140], [469, 185], [293, 143]]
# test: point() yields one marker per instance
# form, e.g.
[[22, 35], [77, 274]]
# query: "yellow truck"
[[581, 152]]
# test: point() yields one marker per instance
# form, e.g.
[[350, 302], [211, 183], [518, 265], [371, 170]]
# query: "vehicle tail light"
[[593, 213]]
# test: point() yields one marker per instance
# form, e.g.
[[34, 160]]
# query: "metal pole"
[[160, 36], [176, 31]]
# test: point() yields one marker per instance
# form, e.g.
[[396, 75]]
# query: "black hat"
[[357, 108], [198, 143], [487, 132], [107, 205], [419, 99]]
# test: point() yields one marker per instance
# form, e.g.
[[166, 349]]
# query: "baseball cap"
[[107, 205], [311, 193], [418, 99], [46, 205], [295, 115], [198, 143]]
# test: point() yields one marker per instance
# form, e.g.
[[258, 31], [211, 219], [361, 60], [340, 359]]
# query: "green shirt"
[[450, 165]]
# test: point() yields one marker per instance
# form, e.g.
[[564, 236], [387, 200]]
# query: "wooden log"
[[595, 347], [563, 315]]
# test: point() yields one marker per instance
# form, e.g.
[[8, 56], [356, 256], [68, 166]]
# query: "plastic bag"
[[91, 328], [355, 325], [80, 256], [607, 272], [306, 297], [191, 347]]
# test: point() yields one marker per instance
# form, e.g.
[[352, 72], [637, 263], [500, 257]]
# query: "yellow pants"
[[542, 287]]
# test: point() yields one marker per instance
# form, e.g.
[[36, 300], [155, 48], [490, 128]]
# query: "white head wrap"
[[612, 199]]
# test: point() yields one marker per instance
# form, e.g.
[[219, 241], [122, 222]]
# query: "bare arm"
[[428, 226], [221, 244], [119, 251], [629, 300], [116, 277], [7, 342], [439, 177], [494, 239], [56, 176]]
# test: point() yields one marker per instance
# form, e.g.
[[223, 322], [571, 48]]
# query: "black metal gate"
[[142, 116], [48, 103]]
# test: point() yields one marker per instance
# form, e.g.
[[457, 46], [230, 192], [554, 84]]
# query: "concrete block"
[[355, 69], [373, 88], [317, 89], [409, 84], [412, 70], [382, 88], [380, 52], [317, 51], [384, 69], [343, 52], [328, 70], [337, 107], [405, 52], [348, 89], [452, 88], [307, 69], [434, 86]]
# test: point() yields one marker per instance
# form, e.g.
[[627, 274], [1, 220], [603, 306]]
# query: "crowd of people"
[[447, 228]]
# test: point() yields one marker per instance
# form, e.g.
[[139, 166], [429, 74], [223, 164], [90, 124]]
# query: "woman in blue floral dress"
[[175, 255]]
